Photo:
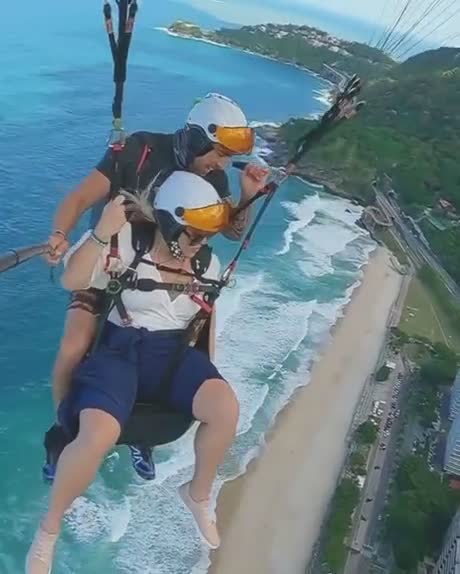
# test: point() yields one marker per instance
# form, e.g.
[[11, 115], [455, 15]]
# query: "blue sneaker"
[[49, 472], [55, 442], [142, 460]]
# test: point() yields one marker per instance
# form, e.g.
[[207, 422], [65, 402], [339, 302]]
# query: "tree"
[[366, 433], [358, 463], [382, 374], [344, 502], [420, 511], [438, 371]]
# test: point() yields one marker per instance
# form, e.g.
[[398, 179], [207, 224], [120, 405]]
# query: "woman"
[[131, 360]]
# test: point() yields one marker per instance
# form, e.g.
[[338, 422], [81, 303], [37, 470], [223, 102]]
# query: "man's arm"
[[93, 188], [252, 180], [235, 231], [239, 224]]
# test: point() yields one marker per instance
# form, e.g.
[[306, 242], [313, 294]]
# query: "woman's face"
[[191, 241]]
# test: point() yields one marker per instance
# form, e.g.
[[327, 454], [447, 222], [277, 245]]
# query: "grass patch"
[[424, 317], [393, 245]]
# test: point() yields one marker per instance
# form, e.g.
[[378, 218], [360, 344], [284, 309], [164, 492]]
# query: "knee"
[[98, 432], [219, 404]]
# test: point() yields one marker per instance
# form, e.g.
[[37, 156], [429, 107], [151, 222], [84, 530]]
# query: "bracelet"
[[98, 240], [60, 232]]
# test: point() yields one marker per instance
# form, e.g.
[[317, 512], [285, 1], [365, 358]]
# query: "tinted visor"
[[211, 219], [237, 140]]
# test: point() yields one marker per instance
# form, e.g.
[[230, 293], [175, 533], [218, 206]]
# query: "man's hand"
[[59, 244], [112, 219], [253, 179]]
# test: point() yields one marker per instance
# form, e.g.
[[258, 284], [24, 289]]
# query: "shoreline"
[[270, 517], [278, 156], [251, 52]]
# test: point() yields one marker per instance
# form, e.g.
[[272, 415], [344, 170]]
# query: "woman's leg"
[[79, 463], [216, 406], [76, 470], [79, 332]]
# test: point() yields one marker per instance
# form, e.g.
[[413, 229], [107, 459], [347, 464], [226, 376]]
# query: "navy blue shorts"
[[129, 366]]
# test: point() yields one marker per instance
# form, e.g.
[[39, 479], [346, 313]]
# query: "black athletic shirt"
[[161, 158]]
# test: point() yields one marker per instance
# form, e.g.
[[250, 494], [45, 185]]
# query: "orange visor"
[[237, 140], [210, 219]]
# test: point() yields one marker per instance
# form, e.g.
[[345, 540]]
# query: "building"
[[452, 454], [449, 561], [454, 408]]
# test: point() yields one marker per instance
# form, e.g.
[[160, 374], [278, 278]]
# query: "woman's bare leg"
[[216, 406], [79, 463], [79, 331], [76, 469]]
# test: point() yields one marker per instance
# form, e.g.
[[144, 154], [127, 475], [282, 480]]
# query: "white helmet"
[[223, 122], [188, 200]]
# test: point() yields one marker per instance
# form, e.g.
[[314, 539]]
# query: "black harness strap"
[[127, 10]]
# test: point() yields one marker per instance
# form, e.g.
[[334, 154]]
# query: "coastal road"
[[420, 253], [374, 527], [366, 516]]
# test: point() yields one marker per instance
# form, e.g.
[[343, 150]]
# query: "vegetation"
[[382, 374], [300, 45], [441, 295], [420, 510], [366, 433], [339, 524], [437, 369], [429, 316], [358, 463], [406, 138], [393, 245]]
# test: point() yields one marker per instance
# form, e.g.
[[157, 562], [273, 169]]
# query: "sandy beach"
[[270, 517]]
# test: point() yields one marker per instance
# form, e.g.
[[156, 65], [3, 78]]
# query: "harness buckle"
[[114, 287]]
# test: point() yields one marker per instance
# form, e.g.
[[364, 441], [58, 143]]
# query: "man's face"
[[218, 158]]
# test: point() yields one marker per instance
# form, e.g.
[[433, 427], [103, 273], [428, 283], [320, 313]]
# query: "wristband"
[[60, 232], [98, 240]]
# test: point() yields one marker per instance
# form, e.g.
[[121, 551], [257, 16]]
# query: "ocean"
[[291, 286]]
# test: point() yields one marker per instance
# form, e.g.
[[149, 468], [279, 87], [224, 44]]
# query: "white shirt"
[[153, 310]]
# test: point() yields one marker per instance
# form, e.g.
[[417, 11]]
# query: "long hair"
[[140, 202]]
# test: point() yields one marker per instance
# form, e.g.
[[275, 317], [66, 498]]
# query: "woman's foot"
[[200, 510], [39, 559]]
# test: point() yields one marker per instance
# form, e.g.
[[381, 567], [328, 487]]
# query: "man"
[[216, 129]]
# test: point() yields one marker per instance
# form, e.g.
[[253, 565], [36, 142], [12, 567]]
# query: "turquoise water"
[[55, 95]]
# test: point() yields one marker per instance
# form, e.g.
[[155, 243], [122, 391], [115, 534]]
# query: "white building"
[[452, 454], [455, 398], [449, 561]]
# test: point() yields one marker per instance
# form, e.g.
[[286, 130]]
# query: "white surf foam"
[[90, 520], [258, 124], [303, 214], [329, 234]]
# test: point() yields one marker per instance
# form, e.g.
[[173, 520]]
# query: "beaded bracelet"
[[98, 240], [60, 232]]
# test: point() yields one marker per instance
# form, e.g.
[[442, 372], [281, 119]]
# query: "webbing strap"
[[127, 10]]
